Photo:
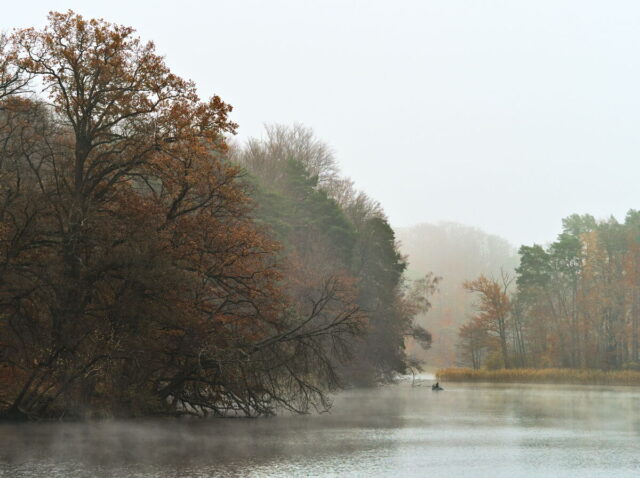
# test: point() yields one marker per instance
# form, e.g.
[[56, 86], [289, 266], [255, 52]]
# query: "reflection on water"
[[468, 430]]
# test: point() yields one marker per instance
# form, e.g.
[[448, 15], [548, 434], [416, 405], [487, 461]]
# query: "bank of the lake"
[[544, 375]]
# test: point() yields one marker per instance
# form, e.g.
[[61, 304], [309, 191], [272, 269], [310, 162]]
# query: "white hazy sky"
[[507, 115]]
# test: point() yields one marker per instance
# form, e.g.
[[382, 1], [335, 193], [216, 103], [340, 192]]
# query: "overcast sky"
[[507, 115]]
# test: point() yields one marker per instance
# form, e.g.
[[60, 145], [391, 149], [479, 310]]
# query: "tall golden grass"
[[544, 375]]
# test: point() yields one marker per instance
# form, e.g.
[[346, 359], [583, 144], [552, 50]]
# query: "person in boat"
[[436, 387]]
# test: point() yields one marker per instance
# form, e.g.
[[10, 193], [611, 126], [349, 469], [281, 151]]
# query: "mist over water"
[[468, 430]]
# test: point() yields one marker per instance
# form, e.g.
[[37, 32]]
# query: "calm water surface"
[[401, 431]]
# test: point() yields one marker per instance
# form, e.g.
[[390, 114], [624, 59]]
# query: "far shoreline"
[[545, 375]]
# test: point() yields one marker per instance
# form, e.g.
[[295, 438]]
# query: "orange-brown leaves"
[[119, 97], [494, 308], [494, 304], [133, 276]]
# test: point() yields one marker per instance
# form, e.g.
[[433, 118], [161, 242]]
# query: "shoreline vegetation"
[[149, 265], [545, 375], [573, 304]]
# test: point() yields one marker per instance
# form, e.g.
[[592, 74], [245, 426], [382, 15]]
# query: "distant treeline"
[[455, 252], [572, 304], [147, 267]]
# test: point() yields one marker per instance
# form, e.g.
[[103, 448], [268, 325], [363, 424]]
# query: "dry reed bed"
[[545, 375]]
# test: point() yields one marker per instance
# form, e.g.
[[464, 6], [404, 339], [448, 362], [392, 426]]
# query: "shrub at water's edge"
[[547, 375]]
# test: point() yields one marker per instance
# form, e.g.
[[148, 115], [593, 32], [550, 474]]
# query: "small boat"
[[436, 387]]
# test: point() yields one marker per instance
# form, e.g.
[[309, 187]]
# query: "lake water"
[[469, 430]]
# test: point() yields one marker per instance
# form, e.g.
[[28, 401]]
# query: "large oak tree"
[[133, 278]]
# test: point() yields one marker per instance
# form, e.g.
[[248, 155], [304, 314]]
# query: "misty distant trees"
[[457, 253], [328, 228], [147, 269], [575, 305]]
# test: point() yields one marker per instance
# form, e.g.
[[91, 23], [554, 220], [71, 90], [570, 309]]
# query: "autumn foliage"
[[574, 305], [142, 268], [133, 276]]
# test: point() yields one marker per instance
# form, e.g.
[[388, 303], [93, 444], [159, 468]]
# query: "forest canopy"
[[147, 267]]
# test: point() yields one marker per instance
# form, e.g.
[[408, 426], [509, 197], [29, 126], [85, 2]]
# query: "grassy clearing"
[[545, 375]]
